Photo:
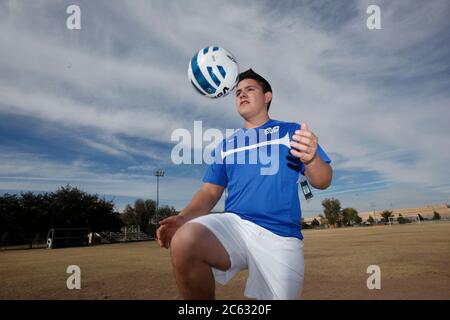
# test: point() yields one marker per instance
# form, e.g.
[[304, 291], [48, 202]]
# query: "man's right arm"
[[203, 201]]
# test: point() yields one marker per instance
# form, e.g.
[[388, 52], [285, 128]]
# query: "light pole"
[[373, 206], [157, 173]]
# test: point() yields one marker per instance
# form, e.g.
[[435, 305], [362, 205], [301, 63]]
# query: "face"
[[250, 99]]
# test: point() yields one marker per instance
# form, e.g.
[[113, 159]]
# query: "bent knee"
[[185, 242], [194, 241]]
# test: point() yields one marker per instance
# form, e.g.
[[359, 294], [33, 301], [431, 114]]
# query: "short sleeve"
[[323, 155], [216, 172]]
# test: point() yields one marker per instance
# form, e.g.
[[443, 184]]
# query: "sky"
[[95, 108]]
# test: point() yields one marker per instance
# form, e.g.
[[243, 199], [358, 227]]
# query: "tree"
[[436, 216], [101, 216], [322, 219], [386, 214], [29, 216], [33, 216], [315, 223], [162, 213], [304, 224], [145, 211], [145, 215], [420, 217], [165, 212], [371, 220], [332, 211], [9, 209], [129, 217], [350, 216], [72, 208], [141, 214]]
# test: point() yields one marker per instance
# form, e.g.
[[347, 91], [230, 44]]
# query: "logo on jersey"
[[283, 141], [272, 130]]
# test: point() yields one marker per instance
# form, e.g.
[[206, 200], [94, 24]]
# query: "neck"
[[256, 121]]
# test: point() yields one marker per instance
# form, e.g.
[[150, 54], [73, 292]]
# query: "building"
[[426, 212]]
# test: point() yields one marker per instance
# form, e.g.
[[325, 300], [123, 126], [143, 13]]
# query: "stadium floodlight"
[[373, 206], [157, 173]]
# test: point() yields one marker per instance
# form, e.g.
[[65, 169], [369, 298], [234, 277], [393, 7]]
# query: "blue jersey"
[[261, 176]]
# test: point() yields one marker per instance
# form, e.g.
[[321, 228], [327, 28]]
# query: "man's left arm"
[[318, 172]]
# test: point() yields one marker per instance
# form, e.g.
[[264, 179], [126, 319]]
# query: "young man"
[[260, 230]]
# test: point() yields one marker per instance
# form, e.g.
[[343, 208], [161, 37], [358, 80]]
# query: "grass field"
[[414, 261]]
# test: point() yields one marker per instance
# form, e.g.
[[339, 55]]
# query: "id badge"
[[307, 193]]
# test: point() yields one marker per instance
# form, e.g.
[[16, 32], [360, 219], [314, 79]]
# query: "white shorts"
[[275, 263]]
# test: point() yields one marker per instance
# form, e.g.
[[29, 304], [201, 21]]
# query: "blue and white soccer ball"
[[214, 72]]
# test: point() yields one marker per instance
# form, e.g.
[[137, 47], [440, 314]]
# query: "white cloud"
[[376, 99], [35, 172]]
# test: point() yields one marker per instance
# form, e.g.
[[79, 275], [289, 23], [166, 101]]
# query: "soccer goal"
[[154, 221], [67, 237]]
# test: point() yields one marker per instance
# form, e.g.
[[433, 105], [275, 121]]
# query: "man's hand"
[[203, 201], [305, 144], [167, 228]]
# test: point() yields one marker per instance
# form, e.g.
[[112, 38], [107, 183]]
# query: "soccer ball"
[[214, 72]]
